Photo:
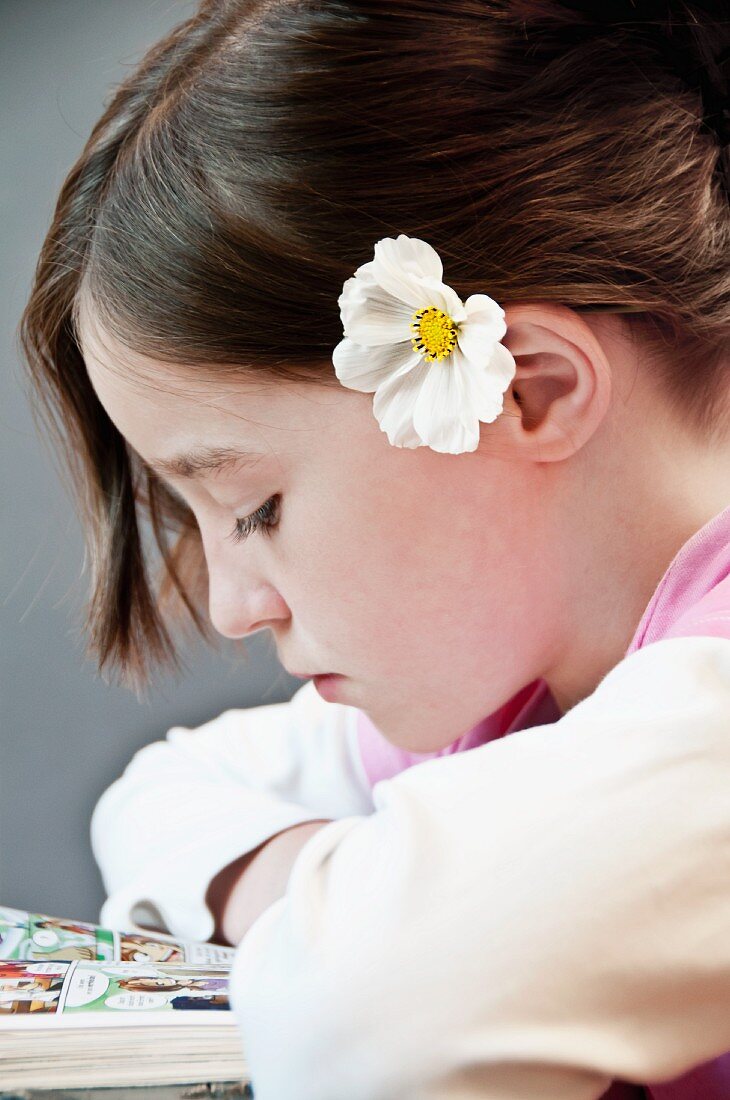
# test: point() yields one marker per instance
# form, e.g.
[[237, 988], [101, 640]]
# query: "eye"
[[264, 519]]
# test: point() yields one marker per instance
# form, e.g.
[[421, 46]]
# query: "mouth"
[[328, 685], [311, 675]]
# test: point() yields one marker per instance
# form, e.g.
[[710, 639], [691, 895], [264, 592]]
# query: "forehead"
[[186, 421], [127, 375]]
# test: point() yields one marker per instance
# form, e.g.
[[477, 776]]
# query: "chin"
[[402, 736]]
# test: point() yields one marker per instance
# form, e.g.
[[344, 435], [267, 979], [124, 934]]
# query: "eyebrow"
[[190, 463]]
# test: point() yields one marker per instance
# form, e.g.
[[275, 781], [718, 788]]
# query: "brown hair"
[[249, 163]]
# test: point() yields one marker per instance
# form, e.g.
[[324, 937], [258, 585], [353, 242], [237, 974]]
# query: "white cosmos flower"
[[435, 363]]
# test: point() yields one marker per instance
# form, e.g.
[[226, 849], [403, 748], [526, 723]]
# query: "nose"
[[240, 605], [237, 617], [241, 600]]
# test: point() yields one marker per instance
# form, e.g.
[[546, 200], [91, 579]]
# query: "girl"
[[488, 498]]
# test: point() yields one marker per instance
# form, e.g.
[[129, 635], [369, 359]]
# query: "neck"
[[624, 547]]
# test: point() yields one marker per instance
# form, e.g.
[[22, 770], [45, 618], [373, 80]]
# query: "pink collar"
[[695, 590]]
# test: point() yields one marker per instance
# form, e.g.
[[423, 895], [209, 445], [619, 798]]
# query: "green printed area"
[[105, 941], [125, 988], [52, 939]]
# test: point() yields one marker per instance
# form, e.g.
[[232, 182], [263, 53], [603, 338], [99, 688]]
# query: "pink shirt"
[[693, 597]]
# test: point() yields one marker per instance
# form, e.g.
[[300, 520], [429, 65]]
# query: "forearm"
[[247, 886], [248, 774]]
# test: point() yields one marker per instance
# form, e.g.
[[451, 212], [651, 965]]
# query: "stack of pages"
[[87, 1006]]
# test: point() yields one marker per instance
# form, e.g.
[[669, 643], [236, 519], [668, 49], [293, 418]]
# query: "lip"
[[310, 675], [328, 686]]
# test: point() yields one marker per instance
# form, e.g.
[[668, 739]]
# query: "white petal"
[[484, 387], [393, 406], [396, 270], [411, 255], [442, 416], [366, 368], [477, 341], [483, 310], [444, 298], [371, 316], [502, 365]]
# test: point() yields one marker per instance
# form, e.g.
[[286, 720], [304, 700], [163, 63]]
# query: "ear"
[[562, 387]]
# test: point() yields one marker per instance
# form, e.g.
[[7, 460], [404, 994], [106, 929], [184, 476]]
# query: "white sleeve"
[[188, 805], [526, 920]]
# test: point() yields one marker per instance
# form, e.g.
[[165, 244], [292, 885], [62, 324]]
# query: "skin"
[[439, 585]]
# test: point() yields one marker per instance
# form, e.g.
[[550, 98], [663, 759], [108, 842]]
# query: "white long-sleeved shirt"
[[527, 920], [188, 805]]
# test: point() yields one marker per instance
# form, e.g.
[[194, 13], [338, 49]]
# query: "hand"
[[245, 888]]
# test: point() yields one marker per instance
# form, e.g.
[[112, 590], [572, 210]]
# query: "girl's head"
[[186, 300]]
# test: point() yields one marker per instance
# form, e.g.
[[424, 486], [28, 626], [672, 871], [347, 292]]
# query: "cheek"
[[350, 565], [416, 576], [442, 583], [388, 564]]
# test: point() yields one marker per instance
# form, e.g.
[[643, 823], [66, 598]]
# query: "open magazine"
[[82, 1005]]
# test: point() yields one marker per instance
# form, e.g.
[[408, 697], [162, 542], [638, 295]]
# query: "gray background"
[[64, 734]]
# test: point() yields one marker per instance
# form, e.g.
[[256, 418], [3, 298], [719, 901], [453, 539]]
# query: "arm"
[[188, 806], [529, 919], [241, 891]]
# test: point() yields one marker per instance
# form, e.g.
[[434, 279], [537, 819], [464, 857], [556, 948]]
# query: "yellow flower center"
[[435, 333]]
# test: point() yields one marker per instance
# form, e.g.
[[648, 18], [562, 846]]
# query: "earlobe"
[[562, 387]]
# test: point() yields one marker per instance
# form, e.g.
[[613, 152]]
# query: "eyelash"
[[264, 519]]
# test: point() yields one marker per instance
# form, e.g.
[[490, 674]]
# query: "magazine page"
[[37, 936], [87, 994]]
